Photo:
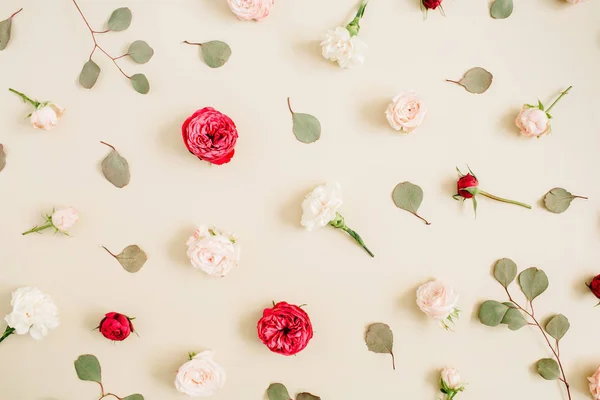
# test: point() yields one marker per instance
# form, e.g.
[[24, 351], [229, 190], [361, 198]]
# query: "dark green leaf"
[[136, 396], [120, 19], [476, 80], [533, 282], [558, 200], [513, 317], [505, 271], [380, 339], [116, 168], [89, 74], [276, 391], [491, 312], [307, 396], [132, 258], [88, 368], [558, 326], [215, 53], [502, 9], [2, 158], [140, 52], [140, 83], [5, 27], [548, 369], [408, 197], [540, 105]]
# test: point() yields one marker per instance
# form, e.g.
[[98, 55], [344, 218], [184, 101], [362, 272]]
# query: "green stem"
[[9, 331], [38, 228], [559, 97], [25, 98], [354, 26], [358, 239], [491, 196]]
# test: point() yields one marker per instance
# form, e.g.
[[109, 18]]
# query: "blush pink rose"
[[210, 135], [285, 329], [406, 112], [533, 122], [247, 10], [595, 384]]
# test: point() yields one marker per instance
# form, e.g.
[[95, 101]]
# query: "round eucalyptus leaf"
[[277, 391], [501, 9], [5, 28], [533, 282], [215, 53], [558, 200], [140, 52], [491, 312], [505, 271], [476, 80], [88, 368], [513, 317], [2, 158], [306, 128], [89, 74], [140, 83], [548, 369], [116, 168], [558, 326], [120, 19]]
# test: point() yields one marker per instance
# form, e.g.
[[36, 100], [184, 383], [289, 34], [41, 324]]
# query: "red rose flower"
[[466, 181], [431, 4], [595, 286], [210, 136], [285, 329], [116, 326]]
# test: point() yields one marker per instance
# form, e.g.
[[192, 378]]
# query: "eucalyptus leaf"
[[120, 19], [215, 53], [116, 168], [558, 326], [89, 74], [140, 83], [2, 158], [380, 339], [306, 127], [476, 80], [513, 317], [533, 282], [409, 197], [307, 396], [491, 313], [140, 52], [88, 368], [136, 396], [277, 391], [505, 271], [5, 28], [501, 9], [558, 200], [132, 258], [548, 369]]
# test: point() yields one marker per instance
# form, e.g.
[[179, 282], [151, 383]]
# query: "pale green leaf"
[[116, 168], [307, 128], [132, 258], [140, 52], [533, 282], [88, 368], [89, 74], [380, 339], [558, 326], [2, 158], [558, 200], [276, 391], [501, 9], [513, 317], [307, 396], [491, 312], [476, 80], [505, 271], [140, 83], [5, 28], [136, 396], [548, 369], [215, 53], [120, 19], [409, 197]]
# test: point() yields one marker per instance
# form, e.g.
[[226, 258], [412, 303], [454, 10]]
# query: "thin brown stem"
[[114, 62], [109, 145], [393, 361], [109, 252], [580, 197], [422, 219], [15, 13], [290, 106], [193, 43], [101, 388], [106, 31], [124, 55], [450, 80], [110, 394]]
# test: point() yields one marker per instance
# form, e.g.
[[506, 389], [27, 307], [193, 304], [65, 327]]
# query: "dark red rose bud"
[[595, 286], [432, 5], [466, 181], [116, 326]]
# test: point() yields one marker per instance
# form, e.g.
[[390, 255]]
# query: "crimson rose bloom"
[[210, 136], [432, 4], [116, 326], [465, 182], [595, 286], [285, 329]]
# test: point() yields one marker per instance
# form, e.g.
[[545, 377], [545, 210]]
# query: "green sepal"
[[540, 105]]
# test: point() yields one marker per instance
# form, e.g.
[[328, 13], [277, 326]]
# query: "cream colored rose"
[[406, 112], [533, 122], [437, 300], [321, 206], [574, 1], [46, 117], [247, 10], [64, 218], [595, 384], [214, 252], [348, 51], [33, 312], [201, 376], [451, 378]]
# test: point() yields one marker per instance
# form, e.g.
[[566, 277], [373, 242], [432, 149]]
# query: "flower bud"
[[115, 326], [451, 379], [46, 116], [595, 286], [431, 4], [64, 218], [467, 181]]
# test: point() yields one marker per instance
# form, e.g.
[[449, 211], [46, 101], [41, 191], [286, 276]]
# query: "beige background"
[[544, 47]]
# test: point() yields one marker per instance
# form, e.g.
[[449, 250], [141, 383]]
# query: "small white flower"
[[438, 300], [348, 51], [321, 206], [214, 252], [63, 219], [46, 116], [201, 376], [451, 378], [33, 312]]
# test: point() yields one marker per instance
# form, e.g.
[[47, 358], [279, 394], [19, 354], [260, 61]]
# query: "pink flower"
[[285, 329], [210, 135], [574, 1], [406, 112], [533, 122], [247, 10], [595, 384]]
